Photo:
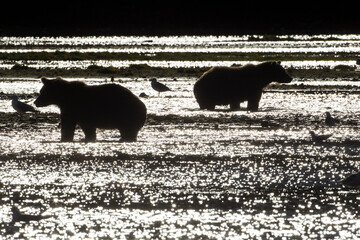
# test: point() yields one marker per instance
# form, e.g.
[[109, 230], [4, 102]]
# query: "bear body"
[[233, 85], [108, 106]]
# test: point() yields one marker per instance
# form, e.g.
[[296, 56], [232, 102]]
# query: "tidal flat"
[[192, 174]]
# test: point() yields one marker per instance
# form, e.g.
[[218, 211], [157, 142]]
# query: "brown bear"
[[233, 85], [108, 106]]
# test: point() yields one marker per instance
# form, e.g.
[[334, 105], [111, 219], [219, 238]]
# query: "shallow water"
[[304, 44], [192, 174], [166, 64]]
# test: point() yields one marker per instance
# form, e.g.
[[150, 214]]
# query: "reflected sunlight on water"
[[57, 64], [192, 174], [319, 44]]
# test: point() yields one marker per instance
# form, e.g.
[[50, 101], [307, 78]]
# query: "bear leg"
[[67, 130], [235, 105], [202, 105], [128, 135], [252, 106], [90, 133], [253, 102], [208, 106]]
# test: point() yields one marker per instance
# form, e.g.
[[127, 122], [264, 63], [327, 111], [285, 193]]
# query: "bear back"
[[78, 96]]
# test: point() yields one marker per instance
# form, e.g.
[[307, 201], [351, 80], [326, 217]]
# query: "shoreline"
[[145, 71]]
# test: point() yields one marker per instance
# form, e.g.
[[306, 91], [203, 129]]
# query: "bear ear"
[[274, 63], [45, 81]]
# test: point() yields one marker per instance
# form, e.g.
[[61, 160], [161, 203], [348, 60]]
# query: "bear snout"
[[289, 80], [38, 103], [286, 79]]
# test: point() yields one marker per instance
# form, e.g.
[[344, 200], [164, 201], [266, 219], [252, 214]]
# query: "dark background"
[[177, 17]]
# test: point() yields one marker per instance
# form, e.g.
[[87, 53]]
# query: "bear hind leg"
[[253, 102], [208, 106], [128, 135], [211, 107], [235, 106], [90, 133], [253, 106], [67, 130], [202, 106]]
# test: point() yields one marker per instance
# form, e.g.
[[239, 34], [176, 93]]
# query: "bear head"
[[276, 72], [52, 92]]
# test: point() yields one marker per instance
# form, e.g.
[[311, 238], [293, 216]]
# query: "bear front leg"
[[253, 102], [67, 129], [253, 106], [90, 133], [206, 106]]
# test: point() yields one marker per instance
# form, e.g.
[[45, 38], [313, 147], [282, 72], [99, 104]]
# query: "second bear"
[[233, 85]]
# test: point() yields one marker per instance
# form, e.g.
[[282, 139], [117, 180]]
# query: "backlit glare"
[[192, 174]]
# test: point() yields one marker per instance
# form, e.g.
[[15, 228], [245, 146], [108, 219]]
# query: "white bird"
[[319, 138], [17, 216], [330, 121], [21, 107], [159, 87], [352, 180]]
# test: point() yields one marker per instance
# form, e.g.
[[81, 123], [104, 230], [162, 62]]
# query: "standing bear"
[[233, 85], [108, 106]]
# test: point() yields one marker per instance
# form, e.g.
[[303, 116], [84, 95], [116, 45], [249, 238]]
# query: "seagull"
[[319, 138], [21, 107], [144, 95], [330, 121], [158, 86], [17, 216], [353, 180]]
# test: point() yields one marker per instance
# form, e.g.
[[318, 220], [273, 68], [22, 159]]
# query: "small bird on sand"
[[21, 107], [159, 87], [17, 216], [330, 121], [319, 138], [144, 95], [352, 180]]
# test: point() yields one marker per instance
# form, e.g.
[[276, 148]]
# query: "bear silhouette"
[[233, 85], [108, 106]]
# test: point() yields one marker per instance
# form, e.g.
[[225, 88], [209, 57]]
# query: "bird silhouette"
[[329, 120], [144, 95], [22, 107], [159, 87], [17, 216], [319, 138], [352, 180]]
